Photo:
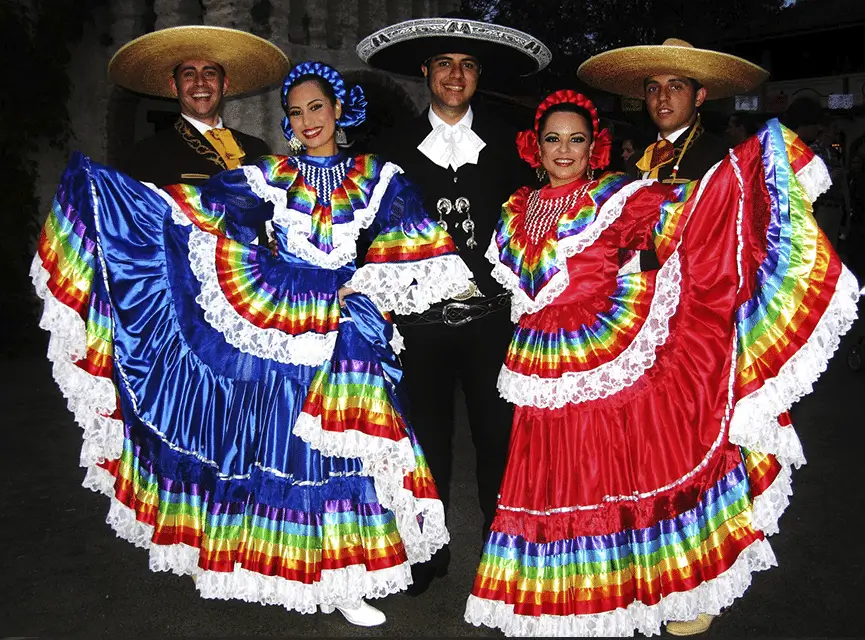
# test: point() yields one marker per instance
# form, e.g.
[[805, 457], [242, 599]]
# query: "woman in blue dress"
[[240, 407]]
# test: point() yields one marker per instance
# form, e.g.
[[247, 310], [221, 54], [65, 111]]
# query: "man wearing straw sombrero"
[[674, 79], [465, 161], [199, 66]]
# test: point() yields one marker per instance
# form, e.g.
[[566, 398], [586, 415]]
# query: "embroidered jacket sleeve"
[[412, 261]]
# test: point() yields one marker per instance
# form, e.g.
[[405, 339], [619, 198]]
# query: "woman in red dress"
[[651, 451]]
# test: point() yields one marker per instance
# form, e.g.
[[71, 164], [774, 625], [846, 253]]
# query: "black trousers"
[[436, 358]]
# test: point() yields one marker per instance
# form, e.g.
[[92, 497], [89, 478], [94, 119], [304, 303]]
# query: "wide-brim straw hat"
[[403, 47], [145, 64], [624, 71]]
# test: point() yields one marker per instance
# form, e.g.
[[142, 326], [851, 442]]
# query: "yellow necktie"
[[226, 146]]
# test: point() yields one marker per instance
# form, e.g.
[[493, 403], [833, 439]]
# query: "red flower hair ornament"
[[527, 141]]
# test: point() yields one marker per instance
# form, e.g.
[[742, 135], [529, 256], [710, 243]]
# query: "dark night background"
[[65, 573]]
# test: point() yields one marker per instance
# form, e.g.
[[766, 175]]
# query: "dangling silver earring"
[[341, 138], [590, 174], [295, 145], [541, 173]]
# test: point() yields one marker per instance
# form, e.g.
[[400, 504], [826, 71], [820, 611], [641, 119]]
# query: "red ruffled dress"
[[648, 461]]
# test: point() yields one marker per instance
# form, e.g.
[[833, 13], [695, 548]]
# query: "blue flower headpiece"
[[353, 100]]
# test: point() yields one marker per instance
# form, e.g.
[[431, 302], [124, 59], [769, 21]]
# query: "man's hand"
[[342, 293]]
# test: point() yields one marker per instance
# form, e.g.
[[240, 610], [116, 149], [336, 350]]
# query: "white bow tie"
[[452, 146]]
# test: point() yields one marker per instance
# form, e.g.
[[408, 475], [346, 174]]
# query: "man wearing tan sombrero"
[[198, 65], [674, 79]]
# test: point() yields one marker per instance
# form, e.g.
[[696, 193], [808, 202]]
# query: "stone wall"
[[107, 120]]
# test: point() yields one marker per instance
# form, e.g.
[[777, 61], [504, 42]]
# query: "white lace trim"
[[770, 505], [412, 287], [610, 377], [566, 248], [355, 444], [298, 225], [814, 178], [387, 462], [755, 419], [709, 597], [342, 587], [308, 348], [397, 341], [177, 215], [631, 266], [91, 399]]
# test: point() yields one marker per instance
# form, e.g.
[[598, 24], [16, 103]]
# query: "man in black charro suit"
[[198, 65], [465, 162]]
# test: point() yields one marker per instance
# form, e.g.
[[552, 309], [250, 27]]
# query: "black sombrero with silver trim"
[[403, 47]]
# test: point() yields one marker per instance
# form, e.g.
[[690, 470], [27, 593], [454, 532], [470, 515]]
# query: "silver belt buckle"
[[460, 321]]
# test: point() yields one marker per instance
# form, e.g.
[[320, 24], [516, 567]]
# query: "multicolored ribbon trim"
[[188, 199], [797, 278], [534, 351], [591, 574], [353, 194], [674, 213], [352, 395], [295, 544], [411, 241], [67, 252], [242, 271]]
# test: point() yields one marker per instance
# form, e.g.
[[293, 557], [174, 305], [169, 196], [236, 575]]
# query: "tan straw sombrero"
[[623, 71], [146, 63]]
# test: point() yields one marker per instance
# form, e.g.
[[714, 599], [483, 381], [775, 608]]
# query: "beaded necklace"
[[323, 179]]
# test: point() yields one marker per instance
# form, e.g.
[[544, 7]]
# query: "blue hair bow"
[[353, 100]]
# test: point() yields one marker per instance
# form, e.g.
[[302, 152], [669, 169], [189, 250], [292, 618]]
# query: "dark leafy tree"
[[575, 31]]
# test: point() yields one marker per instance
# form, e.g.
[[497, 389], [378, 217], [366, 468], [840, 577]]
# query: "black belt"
[[455, 314]]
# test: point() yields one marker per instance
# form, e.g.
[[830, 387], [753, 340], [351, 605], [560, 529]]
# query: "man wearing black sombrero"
[[465, 161], [198, 65], [674, 79]]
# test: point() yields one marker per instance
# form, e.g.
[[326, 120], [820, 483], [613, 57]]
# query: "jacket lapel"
[[198, 143]]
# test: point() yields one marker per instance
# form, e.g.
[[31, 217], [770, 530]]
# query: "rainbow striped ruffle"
[[341, 546], [610, 585], [348, 412], [322, 232], [67, 276], [552, 368], [551, 354], [803, 301]]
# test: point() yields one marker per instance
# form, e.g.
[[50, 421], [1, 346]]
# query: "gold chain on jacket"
[[678, 153]]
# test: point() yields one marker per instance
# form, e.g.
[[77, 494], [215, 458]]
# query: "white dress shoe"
[[365, 615]]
